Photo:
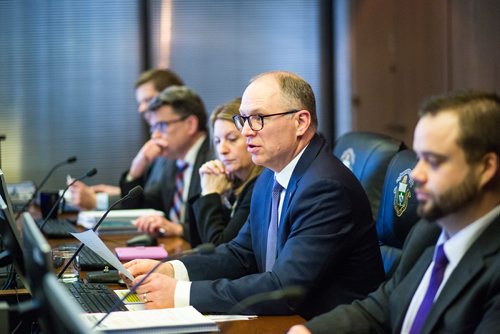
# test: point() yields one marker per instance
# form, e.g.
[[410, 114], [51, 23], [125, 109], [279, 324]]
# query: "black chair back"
[[398, 208], [368, 155]]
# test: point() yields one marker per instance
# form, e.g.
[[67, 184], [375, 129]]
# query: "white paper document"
[[88, 219], [91, 240], [178, 320]]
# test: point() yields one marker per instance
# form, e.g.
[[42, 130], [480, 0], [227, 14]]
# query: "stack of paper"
[[171, 320], [117, 220]]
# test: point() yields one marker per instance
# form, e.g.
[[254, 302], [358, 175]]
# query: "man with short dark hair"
[[178, 133], [448, 280], [309, 224]]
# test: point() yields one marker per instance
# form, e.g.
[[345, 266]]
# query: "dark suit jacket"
[[210, 221], [327, 244], [160, 195], [468, 303]]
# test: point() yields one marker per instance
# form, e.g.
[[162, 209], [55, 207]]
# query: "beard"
[[451, 201]]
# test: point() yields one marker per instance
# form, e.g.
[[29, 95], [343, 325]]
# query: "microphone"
[[133, 193], [203, 249], [70, 160], [292, 292], [90, 173]]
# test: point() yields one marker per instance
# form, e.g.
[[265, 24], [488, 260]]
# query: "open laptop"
[[12, 254], [56, 310]]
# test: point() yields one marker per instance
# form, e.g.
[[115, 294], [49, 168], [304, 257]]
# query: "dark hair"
[[298, 90], [478, 117], [161, 78], [184, 101]]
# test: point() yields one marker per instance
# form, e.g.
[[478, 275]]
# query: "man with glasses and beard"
[[448, 279]]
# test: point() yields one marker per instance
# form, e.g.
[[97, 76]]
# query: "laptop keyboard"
[[95, 297], [88, 260], [57, 228]]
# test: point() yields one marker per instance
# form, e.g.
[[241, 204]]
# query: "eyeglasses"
[[163, 125], [256, 122]]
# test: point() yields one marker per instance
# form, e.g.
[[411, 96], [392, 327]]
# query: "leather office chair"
[[368, 155], [398, 209]]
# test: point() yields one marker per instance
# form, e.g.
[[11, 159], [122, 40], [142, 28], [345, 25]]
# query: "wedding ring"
[[145, 297], [151, 220]]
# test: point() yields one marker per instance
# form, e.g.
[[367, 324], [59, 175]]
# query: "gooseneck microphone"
[[70, 160], [133, 193], [203, 249], [90, 173]]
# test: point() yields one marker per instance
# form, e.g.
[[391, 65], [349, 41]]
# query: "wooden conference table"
[[259, 325]]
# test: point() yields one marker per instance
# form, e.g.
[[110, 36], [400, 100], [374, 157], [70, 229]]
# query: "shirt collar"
[[456, 246], [284, 176], [192, 153]]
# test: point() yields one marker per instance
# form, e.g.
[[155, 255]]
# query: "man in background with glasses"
[[179, 133], [309, 226]]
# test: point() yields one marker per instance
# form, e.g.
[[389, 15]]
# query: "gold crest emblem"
[[402, 191], [348, 158]]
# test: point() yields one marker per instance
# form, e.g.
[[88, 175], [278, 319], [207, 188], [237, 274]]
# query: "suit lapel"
[[169, 186], [468, 268], [311, 152]]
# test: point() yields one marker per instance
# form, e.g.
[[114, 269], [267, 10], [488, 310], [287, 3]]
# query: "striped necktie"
[[178, 201]]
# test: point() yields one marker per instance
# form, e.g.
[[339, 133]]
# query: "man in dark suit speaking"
[[448, 280], [309, 225]]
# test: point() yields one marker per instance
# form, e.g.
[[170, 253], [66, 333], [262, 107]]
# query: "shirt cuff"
[[102, 201], [180, 271], [182, 294]]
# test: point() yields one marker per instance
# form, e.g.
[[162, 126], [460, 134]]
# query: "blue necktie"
[[272, 232], [178, 202], [440, 263]]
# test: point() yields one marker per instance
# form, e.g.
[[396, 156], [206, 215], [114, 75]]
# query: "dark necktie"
[[272, 232], [440, 263], [178, 202]]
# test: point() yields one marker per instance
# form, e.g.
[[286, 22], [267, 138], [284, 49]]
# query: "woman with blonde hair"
[[218, 213]]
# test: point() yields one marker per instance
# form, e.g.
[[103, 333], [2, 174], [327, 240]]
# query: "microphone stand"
[[90, 173], [134, 192], [204, 249], [70, 160]]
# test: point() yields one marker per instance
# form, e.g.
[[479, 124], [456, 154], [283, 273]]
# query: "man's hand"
[[83, 196], [155, 224], [152, 149], [106, 188], [157, 291], [144, 266]]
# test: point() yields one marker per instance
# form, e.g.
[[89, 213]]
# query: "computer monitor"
[[57, 311], [12, 252]]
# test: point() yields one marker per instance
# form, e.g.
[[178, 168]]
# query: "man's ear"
[[303, 121], [489, 165], [192, 122]]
